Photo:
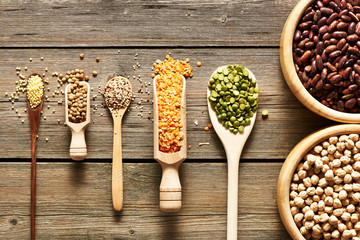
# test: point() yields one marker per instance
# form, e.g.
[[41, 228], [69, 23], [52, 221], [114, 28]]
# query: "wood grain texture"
[[272, 138], [142, 23], [74, 202]]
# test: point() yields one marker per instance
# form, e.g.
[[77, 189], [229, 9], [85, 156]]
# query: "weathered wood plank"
[[74, 202], [272, 138], [143, 23]]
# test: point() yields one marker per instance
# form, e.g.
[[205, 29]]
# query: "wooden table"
[[74, 199]]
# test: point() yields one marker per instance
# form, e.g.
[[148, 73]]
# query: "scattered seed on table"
[[42, 58], [200, 144], [46, 139], [198, 64], [94, 73], [82, 56], [22, 121], [209, 125], [30, 59], [25, 68], [206, 129], [265, 113], [97, 59], [44, 118]]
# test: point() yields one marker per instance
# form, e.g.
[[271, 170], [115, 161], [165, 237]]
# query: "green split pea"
[[233, 96]]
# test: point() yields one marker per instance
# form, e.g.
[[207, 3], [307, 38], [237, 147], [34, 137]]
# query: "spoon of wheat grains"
[[34, 93], [117, 94], [233, 144]]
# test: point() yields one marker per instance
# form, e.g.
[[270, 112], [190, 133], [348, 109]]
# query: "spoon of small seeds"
[[117, 94], [232, 104], [35, 93]]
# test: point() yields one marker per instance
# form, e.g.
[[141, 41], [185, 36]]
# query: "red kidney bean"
[[322, 21], [333, 41], [357, 29], [352, 38], [334, 7], [339, 34], [342, 26], [335, 54], [333, 25], [347, 72], [350, 103], [346, 18], [335, 79], [319, 62], [341, 62], [332, 18], [330, 49], [317, 16], [297, 36], [353, 17], [326, 11], [341, 43], [351, 28], [331, 95], [305, 25], [327, 36], [309, 45], [320, 48], [322, 30], [309, 16], [356, 68]]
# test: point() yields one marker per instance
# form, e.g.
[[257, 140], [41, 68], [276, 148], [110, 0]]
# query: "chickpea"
[[329, 175], [299, 217]]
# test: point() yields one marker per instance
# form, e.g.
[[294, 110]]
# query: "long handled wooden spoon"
[[34, 116], [117, 170], [170, 187], [78, 150], [233, 144]]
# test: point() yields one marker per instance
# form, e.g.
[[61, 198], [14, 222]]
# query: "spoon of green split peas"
[[232, 115]]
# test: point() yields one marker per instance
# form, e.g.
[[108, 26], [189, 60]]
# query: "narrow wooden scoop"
[[170, 187], [78, 150], [233, 144], [117, 170], [34, 116]]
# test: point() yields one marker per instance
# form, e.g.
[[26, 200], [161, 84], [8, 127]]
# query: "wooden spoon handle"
[[33, 185], [117, 171], [232, 211], [78, 149], [170, 188]]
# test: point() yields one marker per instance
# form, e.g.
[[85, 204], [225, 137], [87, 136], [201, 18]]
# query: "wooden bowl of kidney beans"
[[320, 57]]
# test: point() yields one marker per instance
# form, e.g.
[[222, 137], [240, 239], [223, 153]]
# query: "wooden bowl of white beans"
[[326, 153]]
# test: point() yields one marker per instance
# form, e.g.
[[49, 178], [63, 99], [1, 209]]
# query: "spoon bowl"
[[233, 145], [34, 116], [117, 170]]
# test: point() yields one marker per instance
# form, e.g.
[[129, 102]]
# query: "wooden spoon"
[[34, 116], [233, 144], [78, 150], [170, 187], [117, 170]]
